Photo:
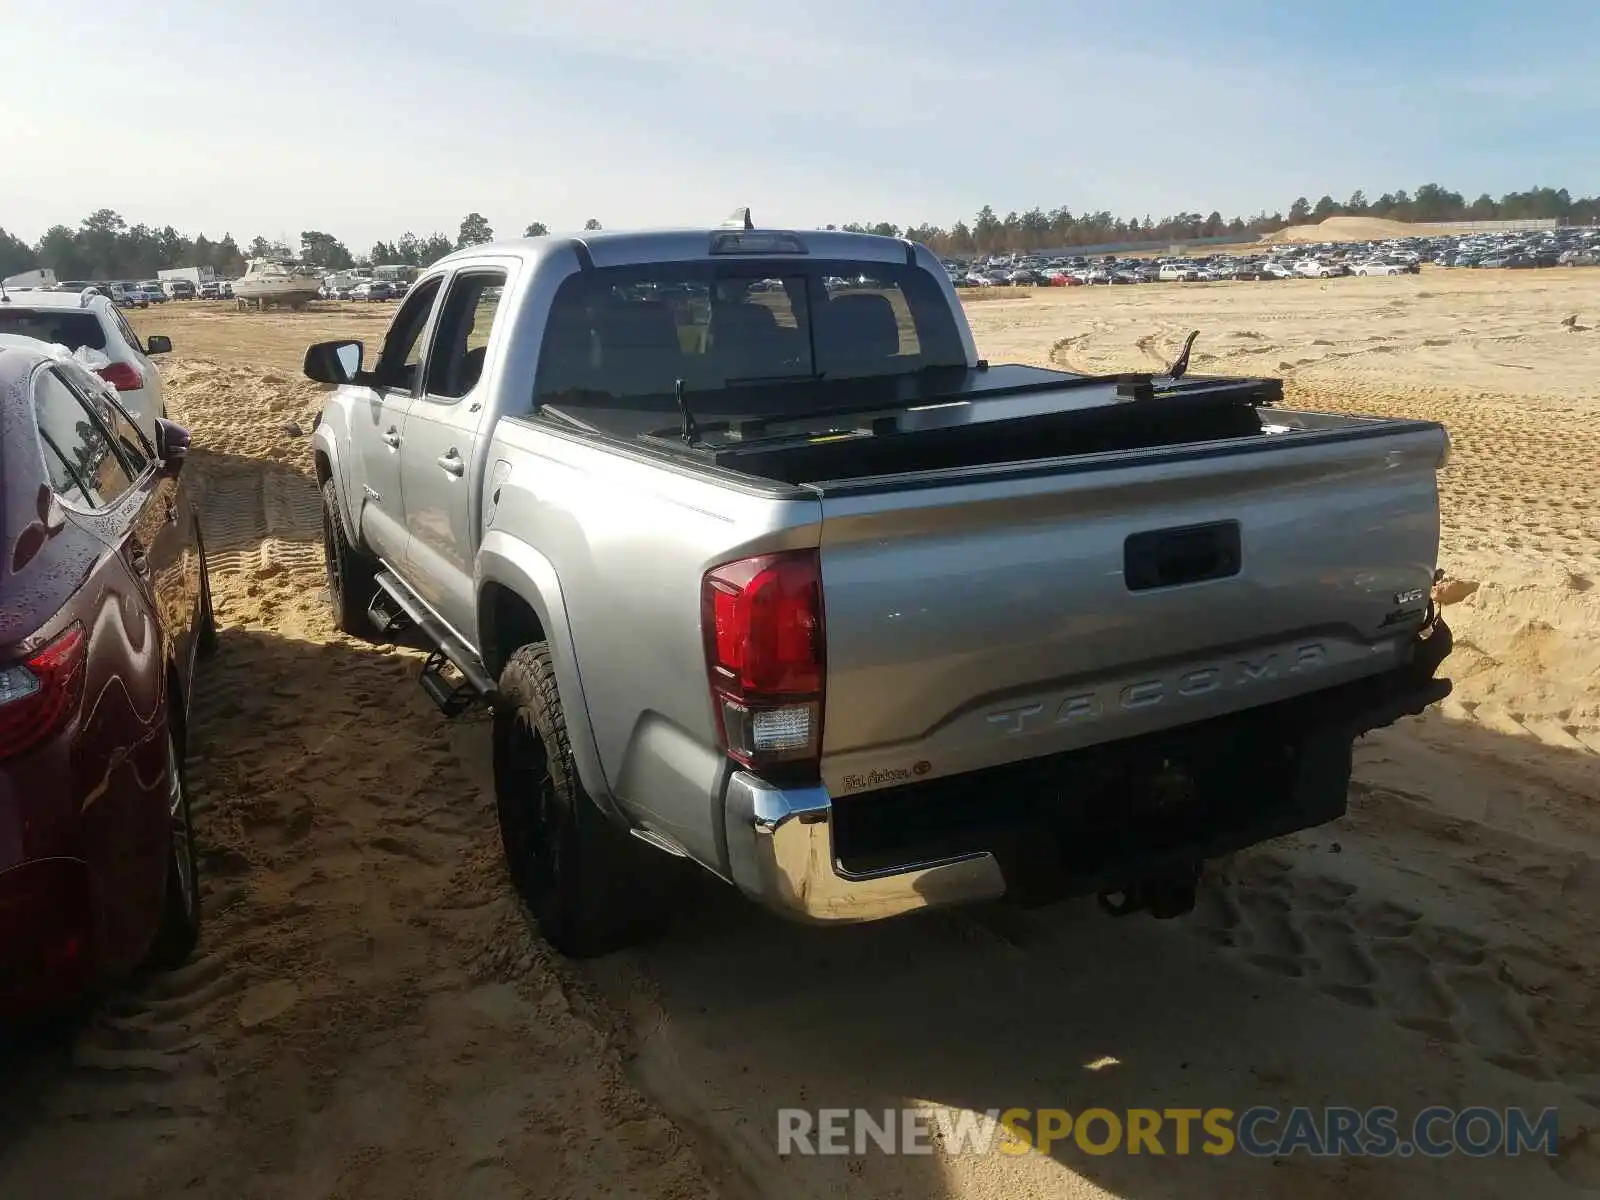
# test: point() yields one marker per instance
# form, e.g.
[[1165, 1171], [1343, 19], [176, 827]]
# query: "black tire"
[[206, 632], [592, 887], [179, 930], [352, 576]]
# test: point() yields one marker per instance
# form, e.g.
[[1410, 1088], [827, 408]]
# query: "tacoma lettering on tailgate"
[[1247, 670]]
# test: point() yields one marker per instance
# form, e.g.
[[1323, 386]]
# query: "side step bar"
[[451, 699]]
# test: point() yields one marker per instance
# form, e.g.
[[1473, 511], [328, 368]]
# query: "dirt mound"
[[1348, 229]]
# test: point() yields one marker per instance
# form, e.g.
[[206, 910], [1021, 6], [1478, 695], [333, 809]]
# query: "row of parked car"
[[108, 610], [1073, 272], [1521, 249], [129, 294], [363, 289]]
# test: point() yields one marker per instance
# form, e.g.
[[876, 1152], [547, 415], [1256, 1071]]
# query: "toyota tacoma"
[[759, 566]]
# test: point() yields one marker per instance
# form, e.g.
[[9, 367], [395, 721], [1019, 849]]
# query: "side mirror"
[[172, 445], [158, 343], [334, 362]]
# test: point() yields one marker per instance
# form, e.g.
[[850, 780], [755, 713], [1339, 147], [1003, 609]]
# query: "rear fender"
[[522, 570]]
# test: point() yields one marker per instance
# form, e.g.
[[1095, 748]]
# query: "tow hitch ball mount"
[[1170, 894]]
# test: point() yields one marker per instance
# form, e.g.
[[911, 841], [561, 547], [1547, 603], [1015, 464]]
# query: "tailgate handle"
[[1188, 554]]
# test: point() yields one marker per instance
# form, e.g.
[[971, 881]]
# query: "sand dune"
[[369, 1016], [1357, 229]]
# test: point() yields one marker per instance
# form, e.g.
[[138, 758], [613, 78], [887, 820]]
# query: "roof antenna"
[[739, 218], [1181, 364], [691, 431], [5, 297]]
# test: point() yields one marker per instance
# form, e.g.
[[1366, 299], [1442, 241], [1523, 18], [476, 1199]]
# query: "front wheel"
[[179, 930], [591, 886], [351, 575]]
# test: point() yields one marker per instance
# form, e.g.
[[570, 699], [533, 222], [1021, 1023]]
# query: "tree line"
[[1038, 229], [105, 246]]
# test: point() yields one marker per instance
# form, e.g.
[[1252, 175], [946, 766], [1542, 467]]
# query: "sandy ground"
[[370, 1018]]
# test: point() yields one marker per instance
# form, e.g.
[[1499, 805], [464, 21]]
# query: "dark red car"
[[104, 607]]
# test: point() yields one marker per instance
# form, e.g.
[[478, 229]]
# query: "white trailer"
[[39, 277], [195, 275]]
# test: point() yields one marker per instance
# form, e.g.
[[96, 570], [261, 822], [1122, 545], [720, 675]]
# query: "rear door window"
[[128, 335], [462, 338], [79, 457]]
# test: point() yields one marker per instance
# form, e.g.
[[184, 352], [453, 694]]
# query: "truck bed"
[[960, 417]]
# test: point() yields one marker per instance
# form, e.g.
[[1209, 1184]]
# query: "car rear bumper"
[[794, 851], [780, 847]]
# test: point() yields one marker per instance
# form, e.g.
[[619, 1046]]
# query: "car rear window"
[[72, 329], [637, 330]]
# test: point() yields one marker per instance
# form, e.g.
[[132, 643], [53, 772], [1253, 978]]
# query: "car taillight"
[[762, 621], [38, 694], [125, 377]]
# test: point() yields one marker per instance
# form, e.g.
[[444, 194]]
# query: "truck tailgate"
[[1000, 615]]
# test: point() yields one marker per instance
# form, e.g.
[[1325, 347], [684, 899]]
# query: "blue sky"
[[366, 118]]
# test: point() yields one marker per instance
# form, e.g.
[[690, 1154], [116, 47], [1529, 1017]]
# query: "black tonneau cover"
[[741, 428]]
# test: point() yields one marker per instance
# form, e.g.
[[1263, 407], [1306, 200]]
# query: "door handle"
[[391, 438], [451, 463]]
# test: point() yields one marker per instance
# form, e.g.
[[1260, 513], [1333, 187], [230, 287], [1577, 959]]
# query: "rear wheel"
[[352, 576], [179, 931], [591, 886]]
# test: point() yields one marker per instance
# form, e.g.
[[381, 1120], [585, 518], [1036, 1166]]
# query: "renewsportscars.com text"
[[1329, 1132]]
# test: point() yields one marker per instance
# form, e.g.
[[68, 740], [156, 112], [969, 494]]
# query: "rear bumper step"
[[780, 846]]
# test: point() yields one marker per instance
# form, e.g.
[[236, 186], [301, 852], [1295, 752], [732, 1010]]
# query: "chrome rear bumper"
[[780, 851], [781, 844]]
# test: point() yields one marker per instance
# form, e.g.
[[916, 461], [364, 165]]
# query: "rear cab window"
[[716, 325]]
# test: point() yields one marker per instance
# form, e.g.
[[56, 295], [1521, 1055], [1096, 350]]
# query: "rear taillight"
[[762, 620], [125, 377], [38, 694]]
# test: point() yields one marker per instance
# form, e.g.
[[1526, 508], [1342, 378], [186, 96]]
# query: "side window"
[[402, 349], [126, 436], [462, 338], [77, 449], [127, 331]]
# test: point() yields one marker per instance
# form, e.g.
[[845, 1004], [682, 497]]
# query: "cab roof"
[[605, 248], [54, 299]]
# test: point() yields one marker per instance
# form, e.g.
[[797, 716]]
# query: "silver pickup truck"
[[760, 566]]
